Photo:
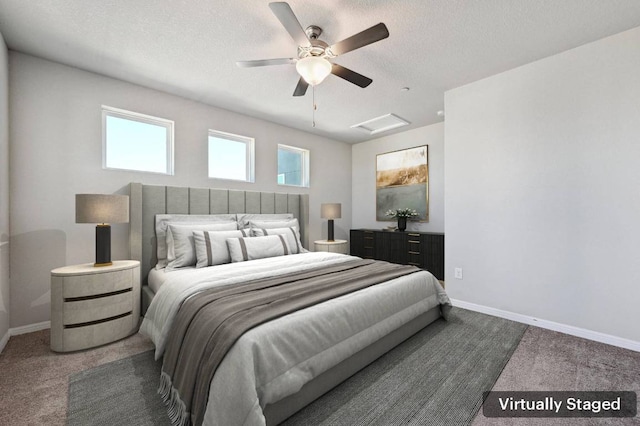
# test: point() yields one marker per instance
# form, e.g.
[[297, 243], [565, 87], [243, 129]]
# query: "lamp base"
[[330, 230], [103, 245]]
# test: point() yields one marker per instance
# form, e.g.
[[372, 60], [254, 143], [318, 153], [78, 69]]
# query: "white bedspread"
[[276, 359]]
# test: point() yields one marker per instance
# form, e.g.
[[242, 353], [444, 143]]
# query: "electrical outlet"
[[457, 273]]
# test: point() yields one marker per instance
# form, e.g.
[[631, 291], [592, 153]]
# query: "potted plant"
[[402, 215]]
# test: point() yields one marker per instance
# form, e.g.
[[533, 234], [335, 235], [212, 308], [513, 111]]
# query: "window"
[[293, 166], [133, 141], [230, 156]]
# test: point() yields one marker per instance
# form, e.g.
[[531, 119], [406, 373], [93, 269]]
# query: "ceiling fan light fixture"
[[314, 69]]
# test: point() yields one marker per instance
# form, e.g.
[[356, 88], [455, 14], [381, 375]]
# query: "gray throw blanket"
[[209, 323]]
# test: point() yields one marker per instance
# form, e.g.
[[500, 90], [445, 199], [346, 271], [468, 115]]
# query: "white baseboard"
[[23, 330], [29, 328], [4, 340], [550, 325]]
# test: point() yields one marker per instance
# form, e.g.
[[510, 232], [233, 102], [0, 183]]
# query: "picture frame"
[[402, 181]]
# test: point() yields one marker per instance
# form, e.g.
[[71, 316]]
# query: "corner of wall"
[[4, 194]]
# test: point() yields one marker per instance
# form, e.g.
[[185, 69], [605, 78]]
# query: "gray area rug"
[[435, 377], [120, 393]]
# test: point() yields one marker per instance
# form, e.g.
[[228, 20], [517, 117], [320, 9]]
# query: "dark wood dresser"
[[422, 249]]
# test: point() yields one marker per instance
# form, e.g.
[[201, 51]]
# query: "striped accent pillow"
[[251, 248], [292, 235], [211, 246], [181, 250]]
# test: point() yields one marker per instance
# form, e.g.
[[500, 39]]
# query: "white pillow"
[[291, 233], [272, 224], [250, 248], [162, 221], [181, 250], [211, 246], [244, 218]]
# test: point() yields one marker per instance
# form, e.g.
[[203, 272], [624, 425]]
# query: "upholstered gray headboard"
[[146, 201]]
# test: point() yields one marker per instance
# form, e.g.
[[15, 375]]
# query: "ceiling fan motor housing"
[[317, 47]]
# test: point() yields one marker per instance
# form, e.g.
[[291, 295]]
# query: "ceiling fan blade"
[[265, 62], [301, 88], [356, 41], [350, 76], [288, 19]]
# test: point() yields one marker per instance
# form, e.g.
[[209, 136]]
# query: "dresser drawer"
[[414, 250]]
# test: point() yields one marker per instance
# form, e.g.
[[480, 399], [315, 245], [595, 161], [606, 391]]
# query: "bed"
[[279, 366]]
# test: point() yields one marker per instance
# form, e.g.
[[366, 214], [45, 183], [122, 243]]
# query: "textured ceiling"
[[189, 48]]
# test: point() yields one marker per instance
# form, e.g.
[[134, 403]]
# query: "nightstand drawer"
[[336, 246], [98, 334], [96, 309], [93, 284]]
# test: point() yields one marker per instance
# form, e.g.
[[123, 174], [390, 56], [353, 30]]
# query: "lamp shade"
[[313, 69], [102, 208], [331, 211]]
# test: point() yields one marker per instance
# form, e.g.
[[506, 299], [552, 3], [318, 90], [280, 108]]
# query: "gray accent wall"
[[4, 193], [363, 176], [541, 175], [56, 152]]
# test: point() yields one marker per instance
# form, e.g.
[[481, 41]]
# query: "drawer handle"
[[414, 235], [96, 296], [414, 242], [84, 324], [414, 252]]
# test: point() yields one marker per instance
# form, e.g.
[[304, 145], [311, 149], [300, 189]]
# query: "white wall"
[[363, 172], [56, 152], [4, 194], [542, 178]]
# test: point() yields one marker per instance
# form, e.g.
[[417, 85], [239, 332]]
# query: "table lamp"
[[102, 209], [331, 211]]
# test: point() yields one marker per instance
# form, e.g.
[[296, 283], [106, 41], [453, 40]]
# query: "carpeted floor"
[[547, 360], [33, 380]]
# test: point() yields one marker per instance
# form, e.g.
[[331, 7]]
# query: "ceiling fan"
[[312, 62]]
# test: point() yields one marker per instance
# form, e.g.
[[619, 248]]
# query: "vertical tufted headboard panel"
[[146, 201]]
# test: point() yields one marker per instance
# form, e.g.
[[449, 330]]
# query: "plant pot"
[[402, 224]]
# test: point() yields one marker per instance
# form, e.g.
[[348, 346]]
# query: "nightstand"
[[92, 306], [336, 246]]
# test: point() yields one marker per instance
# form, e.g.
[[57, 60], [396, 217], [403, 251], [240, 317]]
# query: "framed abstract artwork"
[[402, 181]]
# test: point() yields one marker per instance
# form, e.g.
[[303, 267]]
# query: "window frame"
[[306, 154], [249, 153], [169, 125]]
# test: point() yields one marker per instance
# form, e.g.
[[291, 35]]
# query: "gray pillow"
[[181, 249], [163, 220], [251, 248], [211, 246], [291, 233]]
